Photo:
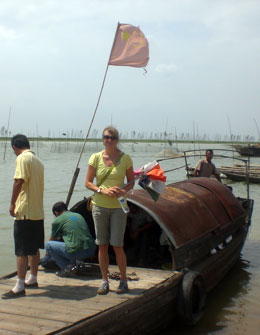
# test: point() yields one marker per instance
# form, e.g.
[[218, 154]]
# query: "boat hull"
[[242, 177], [248, 150]]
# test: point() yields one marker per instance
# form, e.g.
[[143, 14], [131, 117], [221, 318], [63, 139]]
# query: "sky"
[[202, 76]]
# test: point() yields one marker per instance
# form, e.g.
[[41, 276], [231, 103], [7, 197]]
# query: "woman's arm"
[[91, 174]]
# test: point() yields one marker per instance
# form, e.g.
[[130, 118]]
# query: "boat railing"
[[187, 154]]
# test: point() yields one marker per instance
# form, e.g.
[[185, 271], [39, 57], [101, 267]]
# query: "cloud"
[[7, 33], [166, 68], [54, 54]]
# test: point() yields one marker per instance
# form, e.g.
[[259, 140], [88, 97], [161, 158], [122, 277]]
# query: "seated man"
[[205, 168], [78, 243]]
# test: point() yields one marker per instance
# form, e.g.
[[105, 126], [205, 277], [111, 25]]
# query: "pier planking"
[[60, 302]]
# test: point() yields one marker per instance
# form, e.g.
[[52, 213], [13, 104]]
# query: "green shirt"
[[116, 178], [73, 228]]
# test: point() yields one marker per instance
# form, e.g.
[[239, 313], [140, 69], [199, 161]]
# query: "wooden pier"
[[60, 303]]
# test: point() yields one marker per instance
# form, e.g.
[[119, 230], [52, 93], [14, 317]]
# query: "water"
[[232, 308]]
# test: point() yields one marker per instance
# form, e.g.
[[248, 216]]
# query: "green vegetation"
[[64, 139]]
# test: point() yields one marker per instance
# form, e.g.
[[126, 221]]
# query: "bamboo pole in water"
[[7, 132], [231, 138], [257, 130], [37, 140]]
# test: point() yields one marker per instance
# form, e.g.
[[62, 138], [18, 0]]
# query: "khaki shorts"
[[110, 224]]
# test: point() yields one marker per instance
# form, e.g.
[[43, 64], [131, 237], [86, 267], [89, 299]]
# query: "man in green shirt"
[[72, 228]]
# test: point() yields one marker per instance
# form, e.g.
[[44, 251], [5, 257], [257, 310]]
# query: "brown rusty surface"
[[211, 201], [232, 206], [187, 211]]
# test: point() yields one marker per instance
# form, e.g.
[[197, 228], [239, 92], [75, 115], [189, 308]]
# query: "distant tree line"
[[143, 135]]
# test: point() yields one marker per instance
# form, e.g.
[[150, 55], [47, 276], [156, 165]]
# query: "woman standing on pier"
[[110, 167]]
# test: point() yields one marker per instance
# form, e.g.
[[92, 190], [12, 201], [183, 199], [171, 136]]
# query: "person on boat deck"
[[27, 209], [110, 167], [205, 167], [78, 243]]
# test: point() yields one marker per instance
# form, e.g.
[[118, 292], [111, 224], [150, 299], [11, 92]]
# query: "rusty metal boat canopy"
[[189, 209]]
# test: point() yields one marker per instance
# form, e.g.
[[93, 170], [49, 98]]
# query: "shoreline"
[[171, 142]]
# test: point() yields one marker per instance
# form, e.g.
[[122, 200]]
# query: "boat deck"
[[58, 303]]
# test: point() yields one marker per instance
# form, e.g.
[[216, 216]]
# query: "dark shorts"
[[28, 237]]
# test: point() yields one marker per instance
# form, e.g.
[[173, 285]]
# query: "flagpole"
[[77, 169]]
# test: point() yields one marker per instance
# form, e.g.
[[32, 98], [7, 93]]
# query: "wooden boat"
[[205, 227], [248, 149], [242, 177], [238, 172], [235, 176]]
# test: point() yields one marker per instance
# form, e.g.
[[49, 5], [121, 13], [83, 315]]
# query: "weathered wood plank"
[[52, 301], [28, 325], [9, 332], [44, 311], [113, 321], [60, 302]]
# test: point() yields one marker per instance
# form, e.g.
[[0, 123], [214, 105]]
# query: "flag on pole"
[[145, 168], [152, 179], [156, 173], [130, 47], [157, 184]]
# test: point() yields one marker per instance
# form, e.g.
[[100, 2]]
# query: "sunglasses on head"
[[107, 137]]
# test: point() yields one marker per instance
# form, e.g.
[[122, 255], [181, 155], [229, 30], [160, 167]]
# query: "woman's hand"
[[114, 191], [108, 191]]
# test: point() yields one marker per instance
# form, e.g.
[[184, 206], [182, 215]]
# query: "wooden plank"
[[251, 165], [42, 312], [9, 332], [59, 302], [89, 307], [80, 292], [141, 312], [28, 325], [241, 169], [59, 296]]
